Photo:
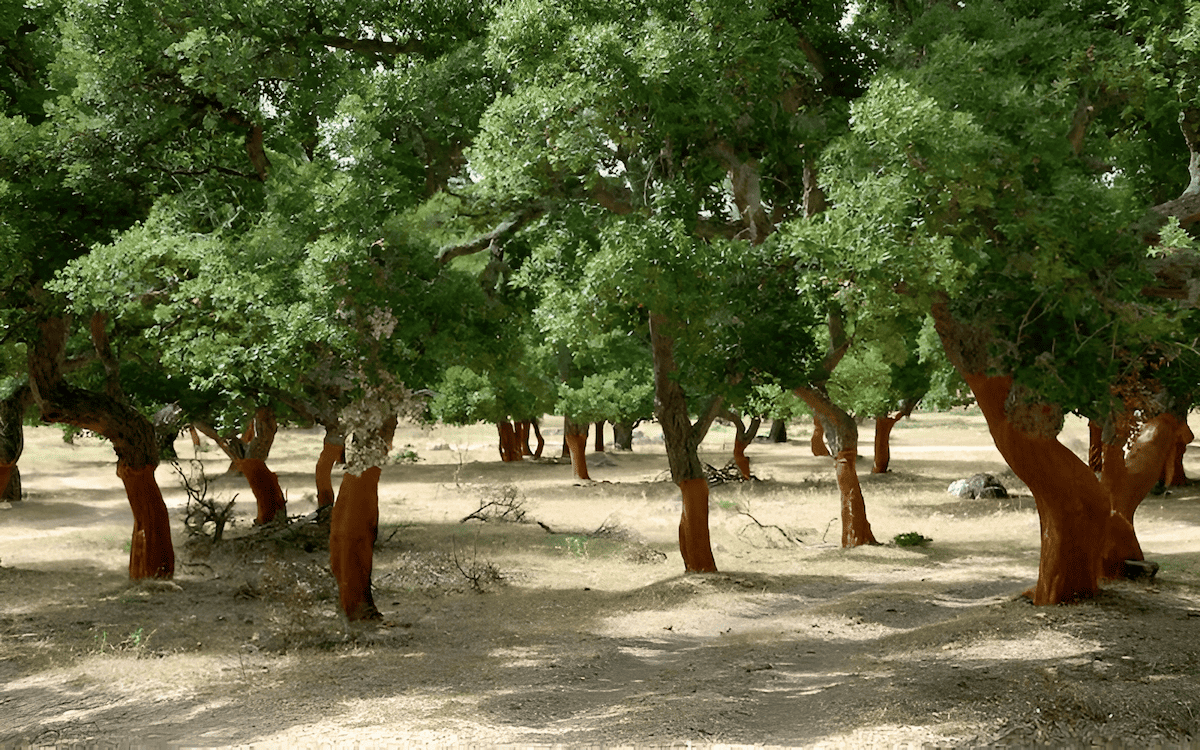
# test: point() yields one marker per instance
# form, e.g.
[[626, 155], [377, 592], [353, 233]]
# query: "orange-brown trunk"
[[353, 529], [151, 554], [1073, 510], [1172, 474], [522, 430], [7, 471], [694, 542], [264, 483], [577, 445], [818, 438], [1127, 478], [856, 530], [739, 457], [509, 450], [331, 453], [883, 443]]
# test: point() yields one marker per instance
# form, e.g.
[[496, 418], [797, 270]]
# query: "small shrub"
[[911, 539]]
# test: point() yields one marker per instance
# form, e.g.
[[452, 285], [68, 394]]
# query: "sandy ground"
[[577, 626]]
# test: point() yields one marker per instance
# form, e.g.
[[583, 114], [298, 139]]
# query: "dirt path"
[[505, 633]]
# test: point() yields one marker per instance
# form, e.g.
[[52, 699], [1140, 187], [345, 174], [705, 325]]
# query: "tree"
[[1006, 160], [681, 125]]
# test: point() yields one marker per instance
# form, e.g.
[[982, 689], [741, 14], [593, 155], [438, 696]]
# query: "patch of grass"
[[134, 643]]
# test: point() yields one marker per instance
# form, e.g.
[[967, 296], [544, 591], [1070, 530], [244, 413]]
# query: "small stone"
[[1136, 570]]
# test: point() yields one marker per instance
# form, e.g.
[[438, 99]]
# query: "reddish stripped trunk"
[[510, 451], [883, 443], [694, 542], [1172, 474], [332, 450], [151, 554], [131, 435], [577, 446], [1073, 509], [353, 529], [1128, 477], [7, 472], [817, 444], [739, 456], [268, 495], [522, 430]]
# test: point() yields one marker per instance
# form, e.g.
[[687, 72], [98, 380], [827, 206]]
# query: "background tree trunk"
[[623, 436], [817, 443], [132, 437], [576, 439], [332, 451], [883, 443], [682, 439], [599, 444], [12, 441], [250, 460], [778, 433], [842, 433], [1095, 446], [510, 451]]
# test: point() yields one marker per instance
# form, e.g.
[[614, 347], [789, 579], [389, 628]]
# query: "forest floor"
[[576, 626]]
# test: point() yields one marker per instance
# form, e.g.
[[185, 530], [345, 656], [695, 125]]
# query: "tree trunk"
[[623, 436], [132, 437], [1073, 509], [150, 552], [599, 446], [742, 439], [250, 460], [1095, 446], [883, 447], [353, 530], [883, 435], [510, 451], [1127, 478], [682, 440], [12, 442], [778, 433], [842, 431], [521, 427], [332, 451], [694, 542], [575, 436], [1173, 474], [817, 443], [541, 442]]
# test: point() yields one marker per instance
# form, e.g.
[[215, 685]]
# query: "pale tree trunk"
[[682, 440], [841, 434], [575, 434], [132, 437], [12, 442]]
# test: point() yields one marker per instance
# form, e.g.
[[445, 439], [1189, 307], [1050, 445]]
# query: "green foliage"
[[911, 539]]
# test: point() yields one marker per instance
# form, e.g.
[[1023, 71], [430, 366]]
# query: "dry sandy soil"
[[582, 629]]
